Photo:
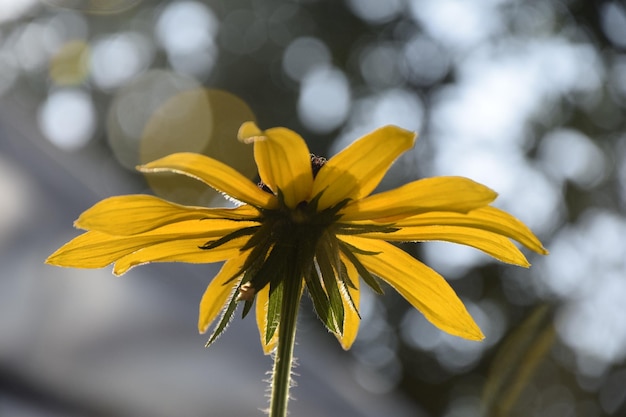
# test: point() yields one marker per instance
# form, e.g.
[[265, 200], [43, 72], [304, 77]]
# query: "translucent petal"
[[218, 292], [498, 246], [425, 289], [284, 161], [95, 249], [132, 214], [215, 174], [262, 299], [355, 171], [178, 251], [457, 194], [351, 316], [486, 218]]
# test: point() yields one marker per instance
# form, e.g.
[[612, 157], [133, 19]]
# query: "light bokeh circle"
[[202, 121]]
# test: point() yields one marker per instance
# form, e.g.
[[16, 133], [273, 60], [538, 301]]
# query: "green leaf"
[[516, 362]]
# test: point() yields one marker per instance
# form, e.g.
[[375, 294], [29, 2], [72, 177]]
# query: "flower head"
[[310, 221]]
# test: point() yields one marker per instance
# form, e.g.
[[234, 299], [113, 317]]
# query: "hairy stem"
[[281, 374]]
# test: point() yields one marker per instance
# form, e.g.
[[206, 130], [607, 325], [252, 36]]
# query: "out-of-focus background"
[[528, 97]]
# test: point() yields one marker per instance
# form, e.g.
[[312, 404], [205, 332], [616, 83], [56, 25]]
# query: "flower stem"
[[281, 374]]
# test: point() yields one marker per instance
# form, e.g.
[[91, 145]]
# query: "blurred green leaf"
[[517, 360]]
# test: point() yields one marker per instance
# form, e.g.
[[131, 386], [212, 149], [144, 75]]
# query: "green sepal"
[[245, 231], [320, 300], [225, 319], [345, 278], [353, 249], [328, 262], [271, 270], [253, 262], [273, 309], [357, 229], [345, 282], [260, 238], [281, 198], [246, 308], [331, 211], [348, 250]]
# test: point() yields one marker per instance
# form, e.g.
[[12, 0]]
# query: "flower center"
[[300, 226], [285, 243]]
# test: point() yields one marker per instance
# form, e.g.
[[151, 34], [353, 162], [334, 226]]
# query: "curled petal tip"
[[143, 168], [249, 132]]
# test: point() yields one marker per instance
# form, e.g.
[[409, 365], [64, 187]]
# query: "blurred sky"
[[525, 97]]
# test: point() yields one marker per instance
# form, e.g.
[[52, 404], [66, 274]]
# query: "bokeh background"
[[528, 97]]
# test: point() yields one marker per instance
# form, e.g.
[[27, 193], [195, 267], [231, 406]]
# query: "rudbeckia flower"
[[309, 224]]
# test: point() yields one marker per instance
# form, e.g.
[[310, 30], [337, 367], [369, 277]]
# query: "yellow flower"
[[311, 223]]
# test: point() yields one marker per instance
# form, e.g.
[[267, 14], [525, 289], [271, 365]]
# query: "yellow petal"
[[351, 318], [217, 293], [425, 289], [179, 251], [132, 214], [215, 174], [95, 249], [355, 171], [284, 161], [486, 218], [498, 246], [262, 300], [429, 194]]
